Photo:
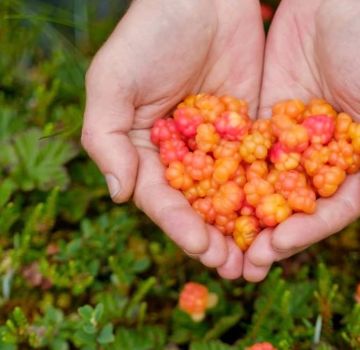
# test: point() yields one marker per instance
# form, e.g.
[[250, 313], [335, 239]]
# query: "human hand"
[[312, 50], [160, 52]]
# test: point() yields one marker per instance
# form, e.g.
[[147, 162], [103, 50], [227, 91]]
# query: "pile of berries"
[[195, 299], [242, 175]]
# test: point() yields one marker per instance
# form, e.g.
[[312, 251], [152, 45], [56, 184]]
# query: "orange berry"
[[259, 168], [261, 346], [207, 187], [254, 146], [228, 199], [224, 169], [302, 199], [206, 137], [273, 209], [239, 177], [328, 179], [273, 175], [227, 149], [247, 209], [235, 105], [282, 159], [320, 128], [342, 126], [232, 126], [288, 181], [256, 189], [319, 106], [263, 126], [210, 107], [177, 176], [198, 165], [280, 123], [191, 194], [341, 154], [295, 138], [355, 167], [293, 108], [246, 230], [205, 208], [225, 223], [188, 102], [314, 158], [354, 133]]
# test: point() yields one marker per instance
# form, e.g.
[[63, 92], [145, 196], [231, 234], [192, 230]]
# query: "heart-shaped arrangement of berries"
[[242, 175]]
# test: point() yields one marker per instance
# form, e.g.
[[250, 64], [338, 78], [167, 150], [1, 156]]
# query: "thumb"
[[108, 118]]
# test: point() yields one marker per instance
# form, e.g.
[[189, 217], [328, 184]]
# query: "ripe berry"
[[314, 158], [341, 154], [224, 169], [295, 138], [262, 346], [210, 107], [342, 126], [207, 187], [320, 128], [206, 137], [234, 105], [228, 199], [225, 223], [239, 177], [319, 106], [232, 126], [288, 181], [254, 146], [282, 159], [194, 299], [163, 130], [205, 208], [259, 168], [246, 230], [227, 149], [264, 127], [273, 209], [293, 108], [198, 165], [256, 189], [171, 150], [177, 177], [328, 179], [247, 209], [354, 133], [302, 199], [191, 194], [187, 119], [280, 123]]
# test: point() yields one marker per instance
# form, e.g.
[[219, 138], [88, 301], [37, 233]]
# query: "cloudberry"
[[273, 175], [232, 126], [342, 125], [228, 199], [273, 209], [163, 130], [314, 158], [328, 179], [210, 107], [225, 223], [282, 159], [295, 138], [354, 132], [254, 146], [319, 106], [280, 123], [194, 299], [320, 128], [355, 167], [302, 199], [205, 208], [234, 104], [259, 168], [247, 209], [224, 169], [198, 165], [262, 346], [206, 137], [191, 194], [239, 177], [187, 119], [263, 126], [207, 187], [246, 230], [341, 154], [293, 108], [227, 149], [256, 189], [171, 150], [177, 177], [288, 181]]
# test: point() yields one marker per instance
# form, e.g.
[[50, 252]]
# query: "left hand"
[[313, 50]]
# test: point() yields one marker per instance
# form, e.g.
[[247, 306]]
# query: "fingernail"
[[113, 185]]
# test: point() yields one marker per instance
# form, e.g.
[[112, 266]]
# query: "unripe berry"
[[246, 230], [206, 137], [273, 209], [228, 199], [328, 179], [177, 177]]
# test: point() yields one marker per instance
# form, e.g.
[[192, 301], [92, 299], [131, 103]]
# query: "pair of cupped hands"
[[161, 51]]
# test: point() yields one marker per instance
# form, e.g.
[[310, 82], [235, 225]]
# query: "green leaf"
[[221, 326], [86, 312], [106, 335], [210, 345]]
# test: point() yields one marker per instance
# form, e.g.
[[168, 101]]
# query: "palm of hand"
[[311, 52]]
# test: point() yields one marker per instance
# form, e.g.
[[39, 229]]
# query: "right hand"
[[160, 52]]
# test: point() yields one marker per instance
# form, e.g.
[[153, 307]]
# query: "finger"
[[167, 207], [217, 253], [332, 215], [233, 267], [108, 117]]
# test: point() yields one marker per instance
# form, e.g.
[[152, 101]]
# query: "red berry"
[[262, 346], [171, 150], [163, 130], [187, 119]]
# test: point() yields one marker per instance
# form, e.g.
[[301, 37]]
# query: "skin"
[[312, 51], [154, 58], [160, 52]]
